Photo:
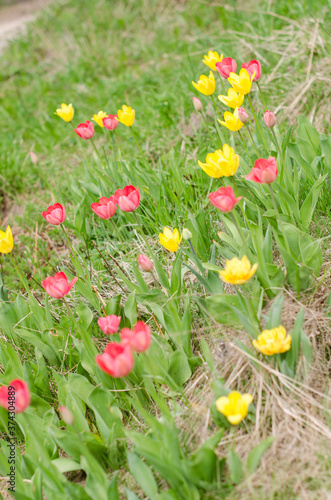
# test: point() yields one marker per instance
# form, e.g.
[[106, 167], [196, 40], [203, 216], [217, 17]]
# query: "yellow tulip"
[[206, 85], [99, 117], [170, 239], [241, 83], [65, 112], [221, 163], [234, 406], [6, 241], [233, 99], [274, 341], [238, 271], [211, 59], [232, 121], [126, 115]]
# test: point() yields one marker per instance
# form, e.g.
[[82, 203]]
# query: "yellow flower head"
[[222, 163], [206, 85], [170, 239], [233, 99], [98, 118], [274, 341], [65, 112], [126, 115], [211, 59], [232, 121], [6, 241], [238, 271], [241, 83], [234, 406]]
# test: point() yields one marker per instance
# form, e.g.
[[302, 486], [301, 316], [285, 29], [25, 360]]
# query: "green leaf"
[[235, 467], [308, 207], [257, 453], [142, 475], [66, 464], [179, 368], [130, 309]]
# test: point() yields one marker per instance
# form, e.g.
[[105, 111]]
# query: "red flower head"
[[110, 122], [85, 130], [55, 214], [117, 359], [106, 208], [226, 66], [253, 67], [16, 397], [58, 286], [264, 171], [224, 199], [109, 324], [128, 198], [139, 338]]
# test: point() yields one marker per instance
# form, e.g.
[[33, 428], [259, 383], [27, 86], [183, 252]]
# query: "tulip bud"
[[145, 264], [67, 415], [269, 119], [187, 235], [197, 104], [243, 115], [34, 157]]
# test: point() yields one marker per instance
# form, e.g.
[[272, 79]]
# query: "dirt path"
[[13, 18]]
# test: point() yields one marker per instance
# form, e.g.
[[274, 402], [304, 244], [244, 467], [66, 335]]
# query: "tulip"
[[231, 121], [58, 286], [224, 199], [197, 104], [238, 271], [264, 171], [145, 264], [274, 341], [269, 119], [106, 207], [15, 397], [65, 112], [139, 338], [187, 235], [126, 115], [234, 406], [6, 241], [117, 359], [127, 199], [206, 85], [241, 83], [85, 130], [222, 163], [110, 122], [243, 115], [67, 415], [233, 99], [226, 66], [109, 324], [99, 118], [34, 157], [170, 239], [55, 214], [211, 59], [253, 68]]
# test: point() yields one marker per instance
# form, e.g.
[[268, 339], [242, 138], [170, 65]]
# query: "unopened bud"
[[197, 104], [187, 235], [243, 115], [67, 415], [34, 157], [269, 119], [145, 264]]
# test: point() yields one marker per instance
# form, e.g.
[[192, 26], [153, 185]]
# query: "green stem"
[[213, 99], [96, 150], [234, 185], [257, 123], [222, 83], [249, 307], [279, 219], [281, 155], [138, 145], [252, 141], [69, 243], [204, 119], [68, 336], [244, 144], [114, 149], [142, 234], [20, 274], [236, 223], [262, 96], [120, 239]]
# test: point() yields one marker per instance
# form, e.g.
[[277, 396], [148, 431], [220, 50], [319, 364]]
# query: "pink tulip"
[[253, 67], [264, 171], [226, 66], [58, 286], [269, 119], [139, 338], [145, 264], [109, 324], [16, 397], [67, 415], [128, 198], [110, 122], [85, 130], [55, 214], [117, 359], [224, 199], [34, 157], [106, 207], [243, 115], [197, 104]]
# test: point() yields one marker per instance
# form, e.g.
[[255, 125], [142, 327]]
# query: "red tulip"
[[145, 264], [110, 122], [243, 115], [226, 66], [264, 171], [109, 324], [269, 119], [16, 397], [117, 359], [224, 199], [128, 198], [197, 104], [253, 67], [55, 214], [139, 338], [106, 207], [58, 286], [85, 130]]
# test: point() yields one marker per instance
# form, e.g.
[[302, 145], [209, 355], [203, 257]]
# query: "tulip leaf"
[[143, 475], [235, 466], [257, 453]]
